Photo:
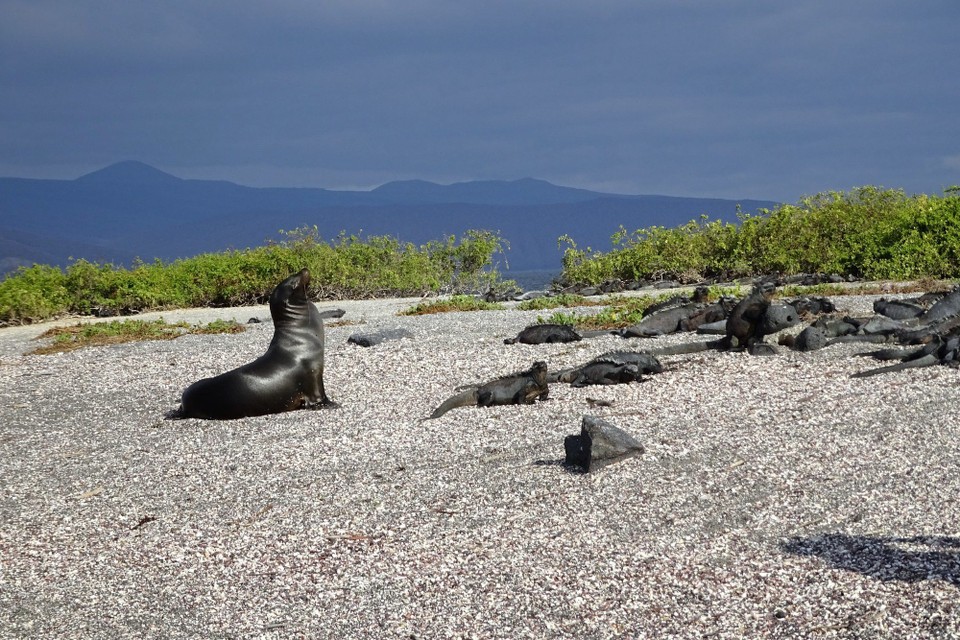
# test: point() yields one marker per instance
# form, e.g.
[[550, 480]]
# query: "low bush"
[[869, 232], [347, 267], [553, 302], [91, 334], [453, 303]]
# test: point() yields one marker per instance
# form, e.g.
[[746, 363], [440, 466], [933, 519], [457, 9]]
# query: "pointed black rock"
[[599, 444]]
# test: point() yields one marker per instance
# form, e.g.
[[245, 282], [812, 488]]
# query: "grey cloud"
[[698, 98]]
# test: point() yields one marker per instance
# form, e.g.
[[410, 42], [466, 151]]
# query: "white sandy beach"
[[777, 497]]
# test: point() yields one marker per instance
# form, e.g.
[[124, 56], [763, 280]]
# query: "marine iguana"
[[373, 338], [812, 305], [898, 309], [669, 316], [945, 308], [615, 367], [520, 388], [545, 334], [699, 295], [821, 333], [749, 321], [663, 322], [926, 333], [942, 318], [716, 312], [745, 324], [940, 350]]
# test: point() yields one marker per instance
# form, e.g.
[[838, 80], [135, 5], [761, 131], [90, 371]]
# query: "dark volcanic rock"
[[812, 338], [372, 338], [599, 444], [777, 318]]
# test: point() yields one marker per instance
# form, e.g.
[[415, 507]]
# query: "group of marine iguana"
[[927, 328], [289, 375]]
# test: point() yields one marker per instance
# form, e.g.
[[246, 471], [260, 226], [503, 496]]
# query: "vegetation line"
[[346, 268], [92, 334], [869, 232]]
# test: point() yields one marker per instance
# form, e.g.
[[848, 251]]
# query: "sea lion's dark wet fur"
[[288, 376]]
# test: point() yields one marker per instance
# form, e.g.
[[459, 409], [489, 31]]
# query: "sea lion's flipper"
[[925, 361], [467, 398], [326, 403]]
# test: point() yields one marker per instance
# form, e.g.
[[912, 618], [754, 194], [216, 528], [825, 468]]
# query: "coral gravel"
[[777, 497]]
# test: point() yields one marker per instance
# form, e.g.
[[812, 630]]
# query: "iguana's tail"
[[875, 338], [467, 398], [685, 348], [925, 361], [894, 353]]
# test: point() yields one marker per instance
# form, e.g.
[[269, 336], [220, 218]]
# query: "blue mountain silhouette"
[[130, 209]]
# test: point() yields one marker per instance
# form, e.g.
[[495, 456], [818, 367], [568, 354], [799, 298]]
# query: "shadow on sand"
[[908, 559]]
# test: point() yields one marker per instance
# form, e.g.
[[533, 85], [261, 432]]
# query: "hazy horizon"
[[701, 99]]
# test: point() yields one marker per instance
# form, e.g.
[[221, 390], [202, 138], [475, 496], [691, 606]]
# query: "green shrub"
[[347, 267], [552, 302], [93, 334], [453, 303], [33, 294], [868, 232]]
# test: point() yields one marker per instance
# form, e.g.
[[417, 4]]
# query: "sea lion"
[[288, 376]]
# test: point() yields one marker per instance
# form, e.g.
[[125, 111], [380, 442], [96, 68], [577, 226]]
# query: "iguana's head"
[[539, 371]]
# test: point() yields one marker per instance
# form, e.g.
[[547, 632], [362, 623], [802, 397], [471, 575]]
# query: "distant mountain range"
[[129, 210]]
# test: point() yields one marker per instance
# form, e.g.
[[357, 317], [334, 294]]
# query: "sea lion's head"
[[290, 295]]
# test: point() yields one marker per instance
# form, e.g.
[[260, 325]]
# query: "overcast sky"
[[701, 98]]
